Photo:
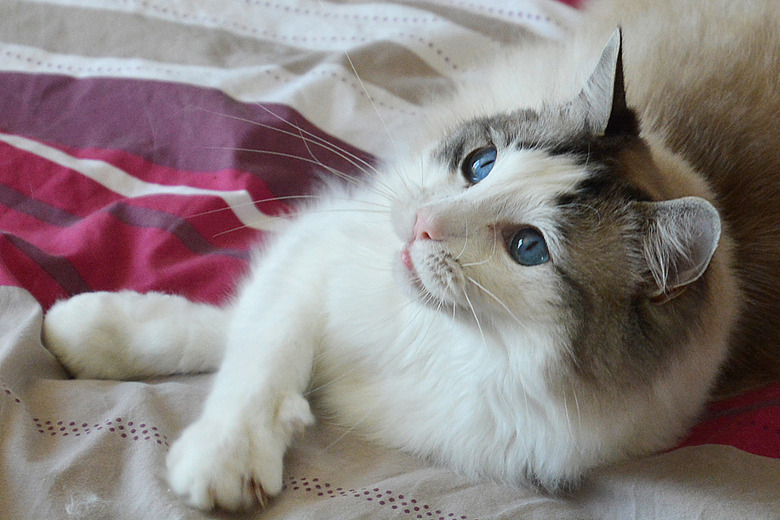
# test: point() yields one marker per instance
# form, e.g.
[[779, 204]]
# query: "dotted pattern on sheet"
[[380, 497]]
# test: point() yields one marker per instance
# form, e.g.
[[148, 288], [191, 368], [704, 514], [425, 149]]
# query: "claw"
[[259, 493], [212, 494]]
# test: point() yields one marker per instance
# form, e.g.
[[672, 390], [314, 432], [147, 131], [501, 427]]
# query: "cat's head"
[[551, 222]]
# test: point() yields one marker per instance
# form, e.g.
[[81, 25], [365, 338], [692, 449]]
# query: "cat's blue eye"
[[528, 247], [478, 164]]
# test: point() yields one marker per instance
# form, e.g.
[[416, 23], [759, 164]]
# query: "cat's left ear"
[[680, 238], [602, 100]]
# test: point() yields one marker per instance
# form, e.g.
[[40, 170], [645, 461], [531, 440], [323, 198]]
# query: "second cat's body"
[[540, 283]]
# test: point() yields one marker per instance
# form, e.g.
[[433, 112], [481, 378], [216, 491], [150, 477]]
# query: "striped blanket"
[[149, 144]]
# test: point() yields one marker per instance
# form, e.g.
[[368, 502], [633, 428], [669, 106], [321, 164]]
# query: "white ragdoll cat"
[[545, 276]]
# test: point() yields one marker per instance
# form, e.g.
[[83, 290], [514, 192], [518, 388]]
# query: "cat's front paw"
[[209, 470], [234, 466]]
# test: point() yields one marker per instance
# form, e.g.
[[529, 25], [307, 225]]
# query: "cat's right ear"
[[602, 101], [680, 238]]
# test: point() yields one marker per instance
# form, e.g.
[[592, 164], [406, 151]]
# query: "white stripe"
[[119, 181]]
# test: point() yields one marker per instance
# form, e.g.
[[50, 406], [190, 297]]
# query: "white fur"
[[127, 335]]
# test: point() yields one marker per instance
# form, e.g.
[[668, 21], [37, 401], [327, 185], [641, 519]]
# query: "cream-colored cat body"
[[544, 282]]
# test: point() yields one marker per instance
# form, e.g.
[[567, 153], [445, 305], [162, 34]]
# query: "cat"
[[562, 268]]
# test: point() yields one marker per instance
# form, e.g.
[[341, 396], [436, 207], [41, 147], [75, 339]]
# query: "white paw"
[[127, 335], [85, 334], [237, 464]]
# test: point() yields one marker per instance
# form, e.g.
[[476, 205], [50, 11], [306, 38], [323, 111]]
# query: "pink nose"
[[425, 230]]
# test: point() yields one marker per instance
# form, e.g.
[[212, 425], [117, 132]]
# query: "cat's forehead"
[[546, 129], [614, 163]]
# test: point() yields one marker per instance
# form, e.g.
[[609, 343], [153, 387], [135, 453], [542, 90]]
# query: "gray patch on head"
[[618, 336], [550, 129], [501, 131]]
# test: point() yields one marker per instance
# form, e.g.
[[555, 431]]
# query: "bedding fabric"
[[148, 144]]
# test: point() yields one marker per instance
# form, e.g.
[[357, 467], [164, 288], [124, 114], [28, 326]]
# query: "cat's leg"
[[231, 457], [127, 335]]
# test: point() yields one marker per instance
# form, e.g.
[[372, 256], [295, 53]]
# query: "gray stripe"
[[57, 267], [175, 225], [98, 33], [11, 198]]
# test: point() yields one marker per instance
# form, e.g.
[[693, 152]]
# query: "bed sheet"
[[149, 145]]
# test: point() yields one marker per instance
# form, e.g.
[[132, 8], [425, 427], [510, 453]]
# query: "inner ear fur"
[[680, 238]]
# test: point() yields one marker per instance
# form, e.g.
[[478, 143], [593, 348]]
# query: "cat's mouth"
[[406, 259], [411, 271], [430, 275]]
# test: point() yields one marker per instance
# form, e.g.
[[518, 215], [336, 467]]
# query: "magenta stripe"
[[174, 125]]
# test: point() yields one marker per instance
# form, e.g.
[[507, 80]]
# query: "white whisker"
[[474, 313], [375, 178], [566, 411], [486, 260], [527, 411], [356, 161], [465, 243], [287, 214], [316, 389], [253, 202], [319, 141], [311, 211], [354, 425], [496, 298], [577, 404], [371, 100], [232, 230], [342, 175], [346, 177]]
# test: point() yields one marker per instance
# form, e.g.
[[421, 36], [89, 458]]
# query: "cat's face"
[[483, 235], [527, 221], [503, 227]]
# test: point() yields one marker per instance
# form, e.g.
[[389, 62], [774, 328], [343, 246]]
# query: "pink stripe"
[[124, 256], [72, 196], [750, 422], [51, 182], [142, 243]]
